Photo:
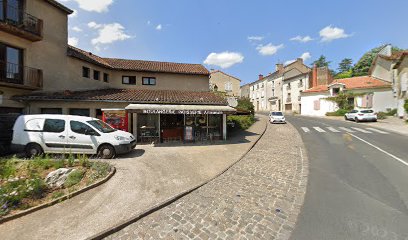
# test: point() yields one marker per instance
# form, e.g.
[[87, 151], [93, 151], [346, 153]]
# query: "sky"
[[242, 38]]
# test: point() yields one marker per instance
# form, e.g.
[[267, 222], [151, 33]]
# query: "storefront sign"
[[188, 112]]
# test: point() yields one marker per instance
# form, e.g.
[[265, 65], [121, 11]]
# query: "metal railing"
[[18, 74], [20, 19]]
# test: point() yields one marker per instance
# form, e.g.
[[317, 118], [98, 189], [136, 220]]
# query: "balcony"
[[20, 23], [17, 76]]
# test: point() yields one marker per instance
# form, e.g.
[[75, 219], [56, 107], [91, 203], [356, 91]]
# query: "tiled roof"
[[130, 95], [138, 65], [219, 71], [364, 82]]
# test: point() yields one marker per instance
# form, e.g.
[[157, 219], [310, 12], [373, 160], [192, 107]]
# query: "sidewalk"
[[392, 124], [146, 177]]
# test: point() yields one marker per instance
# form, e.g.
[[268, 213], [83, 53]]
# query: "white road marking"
[[305, 129], [376, 130], [381, 150], [361, 130], [333, 129], [319, 129], [346, 129]]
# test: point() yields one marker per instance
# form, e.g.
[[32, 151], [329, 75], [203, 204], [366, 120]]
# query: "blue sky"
[[242, 38]]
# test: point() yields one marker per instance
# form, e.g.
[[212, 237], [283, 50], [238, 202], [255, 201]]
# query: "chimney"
[[260, 76], [314, 76], [300, 60], [279, 67]]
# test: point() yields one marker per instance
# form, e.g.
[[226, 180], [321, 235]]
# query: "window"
[[131, 80], [101, 126], [51, 110], [11, 10], [105, 77], [96, 74], [11, 63], [81, 128], [86, 72], [228, 87], [149, 81], [54, 125], [79, 112]]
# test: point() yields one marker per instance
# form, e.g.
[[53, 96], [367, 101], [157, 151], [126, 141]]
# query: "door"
[[81, 138], [54, 135]]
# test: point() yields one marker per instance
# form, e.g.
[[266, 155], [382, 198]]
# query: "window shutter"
[[404, 82]]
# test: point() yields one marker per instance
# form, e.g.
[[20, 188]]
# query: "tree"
[[321, 62], [363, 65], [345, 65], [341, 75], [245, 104]]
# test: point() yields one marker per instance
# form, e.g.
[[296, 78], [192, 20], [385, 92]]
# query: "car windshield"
[[277, 114], [367, 111], [101, 126]]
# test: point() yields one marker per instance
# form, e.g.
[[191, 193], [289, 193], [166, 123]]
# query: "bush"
[[338, 113], [7, 168], [99, 170], [391, 112], [74, 178], [382, 115], [242, 121], [245, 104], [84, 160], [406, 105]]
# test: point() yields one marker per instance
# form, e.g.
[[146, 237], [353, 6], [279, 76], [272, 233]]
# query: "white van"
[[45, 133]]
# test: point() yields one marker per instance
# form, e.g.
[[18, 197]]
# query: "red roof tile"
[[363, 82], [131, 96], [138, 65]]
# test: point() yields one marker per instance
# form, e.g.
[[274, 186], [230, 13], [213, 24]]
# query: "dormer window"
[[336, 91]]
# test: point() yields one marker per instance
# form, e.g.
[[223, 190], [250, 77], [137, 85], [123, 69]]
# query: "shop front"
[[158, 123]]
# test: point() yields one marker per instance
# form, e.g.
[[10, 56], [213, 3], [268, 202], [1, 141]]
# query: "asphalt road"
[[358, 182]]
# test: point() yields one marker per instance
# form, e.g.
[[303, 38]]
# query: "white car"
[[38, 134], [361, 115], [277, 117]]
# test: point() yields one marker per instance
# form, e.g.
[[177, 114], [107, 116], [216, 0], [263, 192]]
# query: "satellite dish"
[[232, 102]]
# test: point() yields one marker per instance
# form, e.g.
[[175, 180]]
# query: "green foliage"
[[391, 112], [363, 65], [338, 113], [341, 75], [84, 160], [71, 160], [57, 194], [59, 163], [345, 65], [7, 168], [245, 104], [242, 121], [382, 115], [406, 105], [99, 170], [74, 178], [343, 100], [41, 163], [321, 62]]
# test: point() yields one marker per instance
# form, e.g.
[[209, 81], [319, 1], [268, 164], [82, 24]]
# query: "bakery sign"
[[187, 112]]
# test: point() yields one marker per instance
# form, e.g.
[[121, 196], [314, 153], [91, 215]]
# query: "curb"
[[58, 200], [171, 200]]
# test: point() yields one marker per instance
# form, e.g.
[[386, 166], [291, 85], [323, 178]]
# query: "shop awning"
[[179, 109]]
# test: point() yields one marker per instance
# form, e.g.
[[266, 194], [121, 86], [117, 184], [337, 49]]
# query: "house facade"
[[223, 82], [371, 93], [245, 91], [401, 83], [41, 73]]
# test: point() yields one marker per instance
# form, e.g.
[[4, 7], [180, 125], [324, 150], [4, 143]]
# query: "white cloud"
[[149, 22], [330, 33], [73, 41], [108, 33], [255, 38], [159, 27], [302, 39], [224, 59], [305, 56], [76, 29], [93, 5], [269, 49]]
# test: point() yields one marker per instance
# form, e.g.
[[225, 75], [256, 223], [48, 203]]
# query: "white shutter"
[[404, 82]]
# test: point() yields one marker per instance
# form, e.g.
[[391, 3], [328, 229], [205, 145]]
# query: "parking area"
[[145, 177]]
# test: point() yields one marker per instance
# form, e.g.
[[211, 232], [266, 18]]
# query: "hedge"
[[242, 121]]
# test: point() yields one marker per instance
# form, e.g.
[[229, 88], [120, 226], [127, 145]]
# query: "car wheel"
[[356, 119], [33, 150], [106, 152], [345, 118]]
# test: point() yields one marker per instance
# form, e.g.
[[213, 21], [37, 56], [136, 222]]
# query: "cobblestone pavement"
[[258, 198]]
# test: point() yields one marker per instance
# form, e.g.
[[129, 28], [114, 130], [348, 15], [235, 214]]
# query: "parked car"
[[361, 115], [277, 117], [38, 134]]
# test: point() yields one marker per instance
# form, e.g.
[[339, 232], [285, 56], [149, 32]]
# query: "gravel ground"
[[258, 198]]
